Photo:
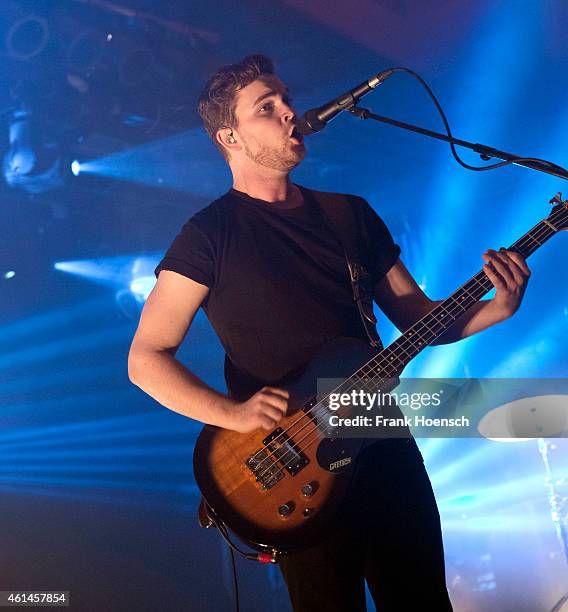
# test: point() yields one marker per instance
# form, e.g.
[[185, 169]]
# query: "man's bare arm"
[[400, 297], [152, 366]]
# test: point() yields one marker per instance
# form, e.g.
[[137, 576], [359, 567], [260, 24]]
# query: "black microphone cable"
[[450, 135]]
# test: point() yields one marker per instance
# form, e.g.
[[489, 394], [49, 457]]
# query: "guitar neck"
[[392, 360]]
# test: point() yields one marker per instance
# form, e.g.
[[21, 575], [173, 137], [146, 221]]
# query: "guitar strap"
[[337, 213]]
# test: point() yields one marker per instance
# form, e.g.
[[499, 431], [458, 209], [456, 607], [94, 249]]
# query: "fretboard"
[[390, 362]]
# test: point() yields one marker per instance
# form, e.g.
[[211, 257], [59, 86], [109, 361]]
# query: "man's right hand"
[[264, 409]]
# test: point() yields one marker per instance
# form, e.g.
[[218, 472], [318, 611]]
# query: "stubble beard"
[[284, 158]]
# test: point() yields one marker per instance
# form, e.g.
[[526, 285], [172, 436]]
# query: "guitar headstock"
[[558, 216]]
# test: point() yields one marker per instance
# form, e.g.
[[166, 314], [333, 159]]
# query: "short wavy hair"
[[217, 101]]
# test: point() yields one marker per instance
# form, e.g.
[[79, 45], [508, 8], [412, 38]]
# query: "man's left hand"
[[509, 273]]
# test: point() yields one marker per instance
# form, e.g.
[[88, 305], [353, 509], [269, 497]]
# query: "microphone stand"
[[486, 153]]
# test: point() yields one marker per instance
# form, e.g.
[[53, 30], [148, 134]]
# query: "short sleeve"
[[192, 253], [381, 251]]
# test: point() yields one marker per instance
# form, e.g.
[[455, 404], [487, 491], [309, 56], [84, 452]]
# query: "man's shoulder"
[[209, 217], [356, 203], [335, 196], [349, 206]]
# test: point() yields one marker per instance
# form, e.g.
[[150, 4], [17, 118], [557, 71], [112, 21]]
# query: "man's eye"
[[266, 106]]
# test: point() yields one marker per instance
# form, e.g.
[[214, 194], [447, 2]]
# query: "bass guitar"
[[279, 490]]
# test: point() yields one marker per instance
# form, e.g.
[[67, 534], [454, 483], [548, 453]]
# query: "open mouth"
[[295, 135]]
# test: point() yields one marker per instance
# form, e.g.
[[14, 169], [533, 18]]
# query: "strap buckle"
[[363, 301]]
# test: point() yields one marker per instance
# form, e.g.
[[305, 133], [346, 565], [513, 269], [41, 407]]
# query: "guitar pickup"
[[285, 451]]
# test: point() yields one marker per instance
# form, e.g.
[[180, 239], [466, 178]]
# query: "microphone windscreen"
[[309, 123]]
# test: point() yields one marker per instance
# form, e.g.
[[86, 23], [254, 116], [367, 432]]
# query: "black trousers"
[[388, 532]]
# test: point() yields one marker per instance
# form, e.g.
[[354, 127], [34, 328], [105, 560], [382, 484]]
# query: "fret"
[[529, 235], [436, 325], [471, 292], [446, 313], [457, 302], [404, 349], [410, 335], [543, 229]]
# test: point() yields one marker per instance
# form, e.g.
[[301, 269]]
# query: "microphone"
[[316, 119]]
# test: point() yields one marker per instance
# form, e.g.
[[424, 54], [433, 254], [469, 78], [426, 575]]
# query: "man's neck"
[[278, 190]]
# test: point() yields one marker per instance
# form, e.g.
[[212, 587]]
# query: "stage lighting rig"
[[34, 162]]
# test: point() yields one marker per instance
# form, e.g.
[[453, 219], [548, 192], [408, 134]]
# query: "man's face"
[[266, 121]]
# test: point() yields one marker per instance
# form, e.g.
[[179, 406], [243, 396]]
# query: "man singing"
[[272, 279]]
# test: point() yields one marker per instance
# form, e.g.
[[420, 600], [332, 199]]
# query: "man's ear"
[[228, 139]]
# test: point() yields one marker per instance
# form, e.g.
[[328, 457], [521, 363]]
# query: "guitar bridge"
[[280, 452], [264, 469]]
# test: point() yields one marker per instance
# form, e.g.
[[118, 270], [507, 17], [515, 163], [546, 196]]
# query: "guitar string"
[[365, 384], [360, 382], [435, 333], [542, 230], [297, 444], [539, 230], [401, 346]]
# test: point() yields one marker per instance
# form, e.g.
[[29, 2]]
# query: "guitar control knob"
[[285, 510], [308, 489]]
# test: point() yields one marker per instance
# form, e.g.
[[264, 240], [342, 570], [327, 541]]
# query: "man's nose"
[[289, 115]]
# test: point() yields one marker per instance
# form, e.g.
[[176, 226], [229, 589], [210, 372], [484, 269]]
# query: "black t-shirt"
[[279, 285]]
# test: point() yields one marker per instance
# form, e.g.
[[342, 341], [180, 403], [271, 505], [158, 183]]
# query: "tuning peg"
[[557, 199]]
